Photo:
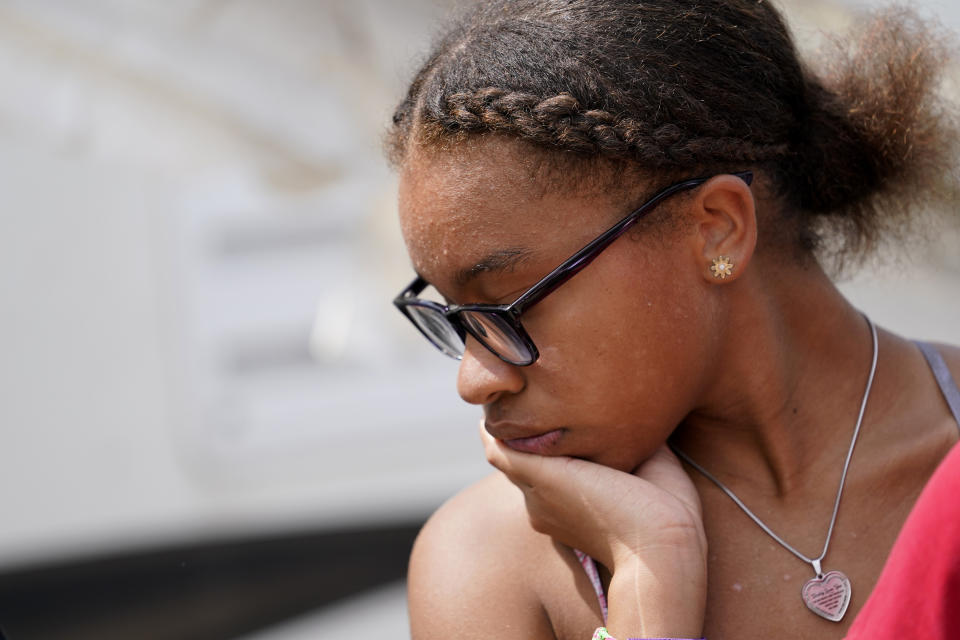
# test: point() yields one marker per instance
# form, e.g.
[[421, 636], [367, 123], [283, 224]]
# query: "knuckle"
[[537, 523]]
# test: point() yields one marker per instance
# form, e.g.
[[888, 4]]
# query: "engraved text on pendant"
[[828, 596]]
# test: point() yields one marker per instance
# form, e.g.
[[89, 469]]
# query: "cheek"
[[620, 316], [633, 344]]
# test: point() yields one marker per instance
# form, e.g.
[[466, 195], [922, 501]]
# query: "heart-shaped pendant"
[[828, 595]]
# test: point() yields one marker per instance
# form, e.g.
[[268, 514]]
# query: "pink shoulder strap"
[[590, 567]]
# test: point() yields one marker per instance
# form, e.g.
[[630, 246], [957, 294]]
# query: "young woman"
[[626, 209]]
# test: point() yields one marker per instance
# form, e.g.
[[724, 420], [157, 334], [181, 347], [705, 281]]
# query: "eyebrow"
[[497, 261]]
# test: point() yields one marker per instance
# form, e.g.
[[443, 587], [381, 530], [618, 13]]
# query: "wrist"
[[660, 595], [686, 545]]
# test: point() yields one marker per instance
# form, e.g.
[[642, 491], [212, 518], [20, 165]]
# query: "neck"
[[782, 404]]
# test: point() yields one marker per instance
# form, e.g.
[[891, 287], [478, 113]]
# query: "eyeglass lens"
[[438, 329], [499, 336]]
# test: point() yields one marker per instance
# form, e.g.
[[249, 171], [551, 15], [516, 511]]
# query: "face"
[[619, 343]]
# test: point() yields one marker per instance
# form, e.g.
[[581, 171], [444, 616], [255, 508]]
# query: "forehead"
[[458, 206]]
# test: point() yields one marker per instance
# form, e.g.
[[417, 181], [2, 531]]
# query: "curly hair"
[[679, 86]]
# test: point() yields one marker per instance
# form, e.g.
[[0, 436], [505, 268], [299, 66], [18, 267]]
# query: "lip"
[[541, 445], [515, 437]]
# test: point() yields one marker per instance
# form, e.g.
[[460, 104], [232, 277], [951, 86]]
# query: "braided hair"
[[697, 86]]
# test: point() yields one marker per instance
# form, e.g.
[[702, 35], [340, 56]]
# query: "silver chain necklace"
[[827, 594]]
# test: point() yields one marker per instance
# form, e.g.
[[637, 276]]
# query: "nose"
[[483, 377]]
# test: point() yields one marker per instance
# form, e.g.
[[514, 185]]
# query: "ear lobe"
[[726, 228]]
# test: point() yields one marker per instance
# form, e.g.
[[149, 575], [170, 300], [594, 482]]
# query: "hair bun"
[[877, 141]]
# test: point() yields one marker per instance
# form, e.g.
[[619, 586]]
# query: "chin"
[[622, 459]]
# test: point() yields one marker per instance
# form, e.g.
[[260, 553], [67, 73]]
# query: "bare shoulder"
[[474, 568]]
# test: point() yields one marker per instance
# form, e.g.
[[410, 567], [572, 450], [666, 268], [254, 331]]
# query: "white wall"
[[193, 196]]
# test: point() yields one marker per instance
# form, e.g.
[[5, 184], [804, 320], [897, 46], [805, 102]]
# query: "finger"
[[521, 468], [534, 470], [663, 469]]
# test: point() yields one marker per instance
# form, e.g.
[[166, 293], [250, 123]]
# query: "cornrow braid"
[[561, 122]]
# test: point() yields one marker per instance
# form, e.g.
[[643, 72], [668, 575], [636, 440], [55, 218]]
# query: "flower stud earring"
[[722, 267]]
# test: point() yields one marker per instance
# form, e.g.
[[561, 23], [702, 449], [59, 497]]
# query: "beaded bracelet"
[[602, 634]]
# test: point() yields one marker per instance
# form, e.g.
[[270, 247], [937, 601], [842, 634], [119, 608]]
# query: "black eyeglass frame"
[[510, 313]]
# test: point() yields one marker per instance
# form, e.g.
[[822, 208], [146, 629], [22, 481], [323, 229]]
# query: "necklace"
[[826, 594]]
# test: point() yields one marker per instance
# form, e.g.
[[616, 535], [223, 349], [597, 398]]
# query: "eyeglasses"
[[497, 326]]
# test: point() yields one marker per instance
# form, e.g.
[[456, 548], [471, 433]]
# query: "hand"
[[604, 512], [645, 526]]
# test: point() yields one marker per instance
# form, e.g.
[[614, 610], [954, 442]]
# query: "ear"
[[725, 225]]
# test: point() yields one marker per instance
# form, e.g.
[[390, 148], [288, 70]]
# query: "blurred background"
[[213, 424]]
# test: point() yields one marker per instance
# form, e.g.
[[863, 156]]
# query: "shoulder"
[[475, 567], [488, 517], [937, 503], [951, 358], [951, 355]]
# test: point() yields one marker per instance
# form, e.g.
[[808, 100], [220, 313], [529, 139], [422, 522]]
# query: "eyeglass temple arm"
[[411, 290], [575, 263]]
